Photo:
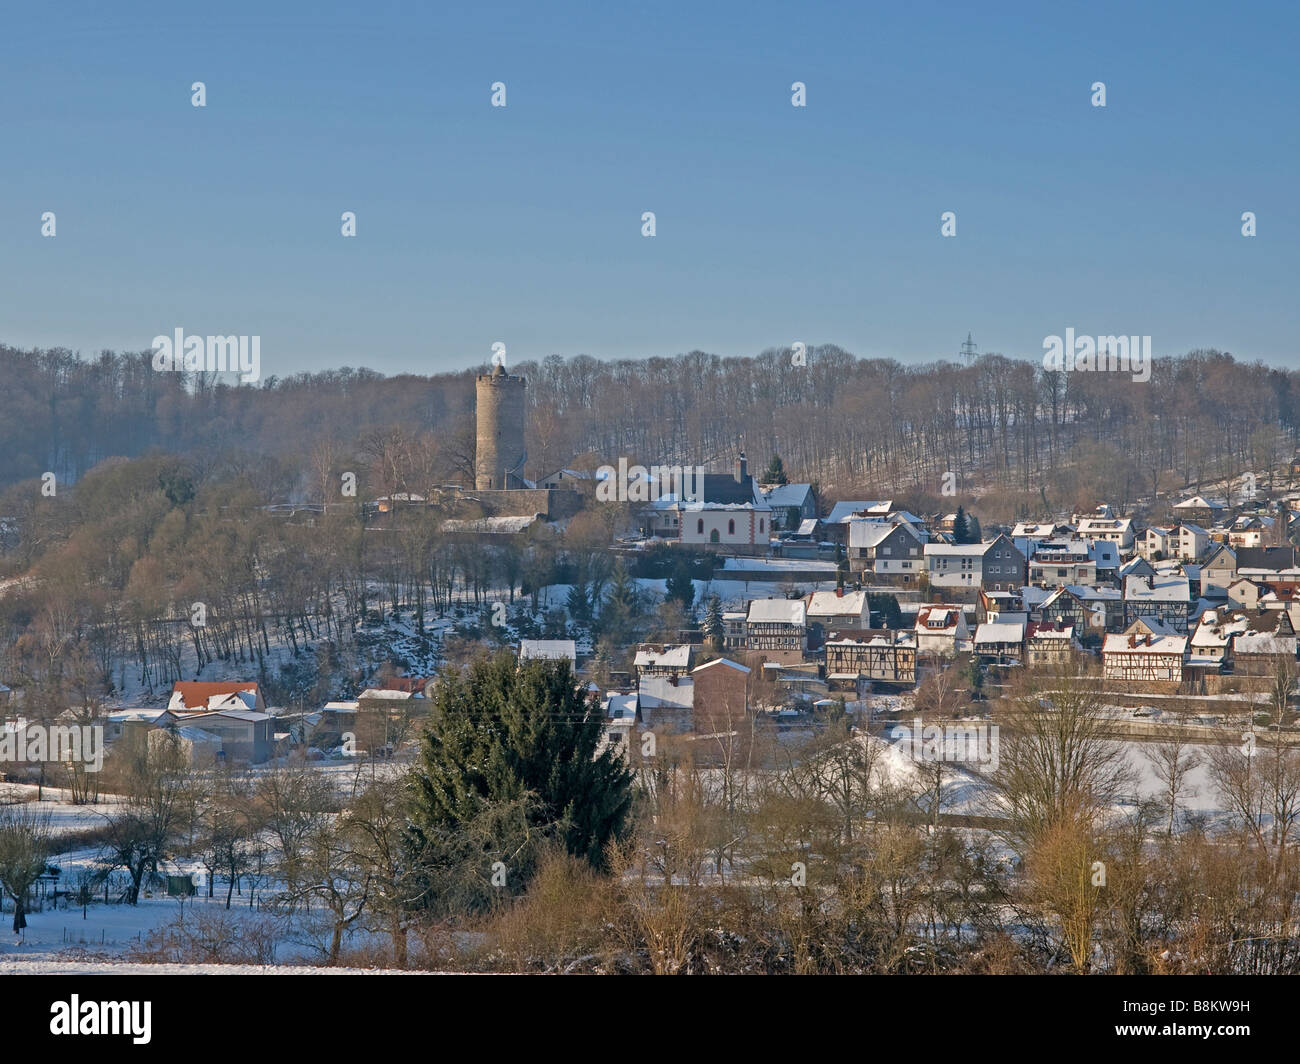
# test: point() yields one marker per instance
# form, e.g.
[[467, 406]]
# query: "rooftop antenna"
[[968, 350]]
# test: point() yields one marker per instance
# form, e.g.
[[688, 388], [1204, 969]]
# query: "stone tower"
[[499, 444]]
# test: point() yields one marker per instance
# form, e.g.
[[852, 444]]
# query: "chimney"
[[742, 468]]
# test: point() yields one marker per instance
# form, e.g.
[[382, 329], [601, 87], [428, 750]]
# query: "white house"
[[941, 630]]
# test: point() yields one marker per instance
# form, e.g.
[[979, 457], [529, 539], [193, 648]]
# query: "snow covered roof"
[[669, 657], [999, 632], [1137, 643], [778, 611], [1264, 643], [720, 661], [660, 692], [829, 604], [788, 494], [965, 550], [548, 650], [1161, 589], [620, 706], [842, 511]]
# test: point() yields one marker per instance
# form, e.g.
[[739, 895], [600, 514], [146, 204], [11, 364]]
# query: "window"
[[731, 527], [699, 526], [760, 524]]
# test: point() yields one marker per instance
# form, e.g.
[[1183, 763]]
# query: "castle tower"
[[499, 443]]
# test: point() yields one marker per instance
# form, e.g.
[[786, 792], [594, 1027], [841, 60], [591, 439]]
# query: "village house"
[[1218, 572], [1156, 542], [886, 657], [1188, 542], [843, 513], [1250, 531], [777, 629], [201, 696], [733, 630], [1090, 611], [666, 703], [663, 659], [1116, 530], [1040, 530], [1199, 506], [1164, 597], [941, 630], [1057, 563], [1000, 642], [838, 609], [1147, 651], [791, 505], [1257, 652], [1051, 648], [892, 554], [1210, 646], [245, 735], [995, 565], [1265, 561], [722, 721], [549, 650], [991, 605], [621, 715]]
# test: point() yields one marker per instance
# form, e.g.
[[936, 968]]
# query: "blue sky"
[[523, 224]]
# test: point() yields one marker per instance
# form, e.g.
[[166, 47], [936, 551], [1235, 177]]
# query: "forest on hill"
[[1015, 433]]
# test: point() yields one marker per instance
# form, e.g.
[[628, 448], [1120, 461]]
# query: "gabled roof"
[[999, 632], [938, 618], [778, 611], [668, 657], [1272, 558], [720, 661], [870, 532], [197, 694], [548, 649], [829, 604], [1199, 502], [788, 494], [841, 511]]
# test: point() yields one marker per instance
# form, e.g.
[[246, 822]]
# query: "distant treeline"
[[846, 423]]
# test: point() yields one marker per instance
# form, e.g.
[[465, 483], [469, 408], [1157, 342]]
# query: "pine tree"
[[509, 762], [621, 608], [960, 527], [775, 472], [713, 619], [679, 585], [579, 602], [974, 533]]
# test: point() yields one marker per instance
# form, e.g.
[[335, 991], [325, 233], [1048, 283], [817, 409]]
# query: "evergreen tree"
[[509, 764], [713, 619], [679, 585], [579, 602], [621, 608], [775, 472], [975, 534], [960, 527]]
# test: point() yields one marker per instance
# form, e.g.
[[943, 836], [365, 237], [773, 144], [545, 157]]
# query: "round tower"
[[499, 442]]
